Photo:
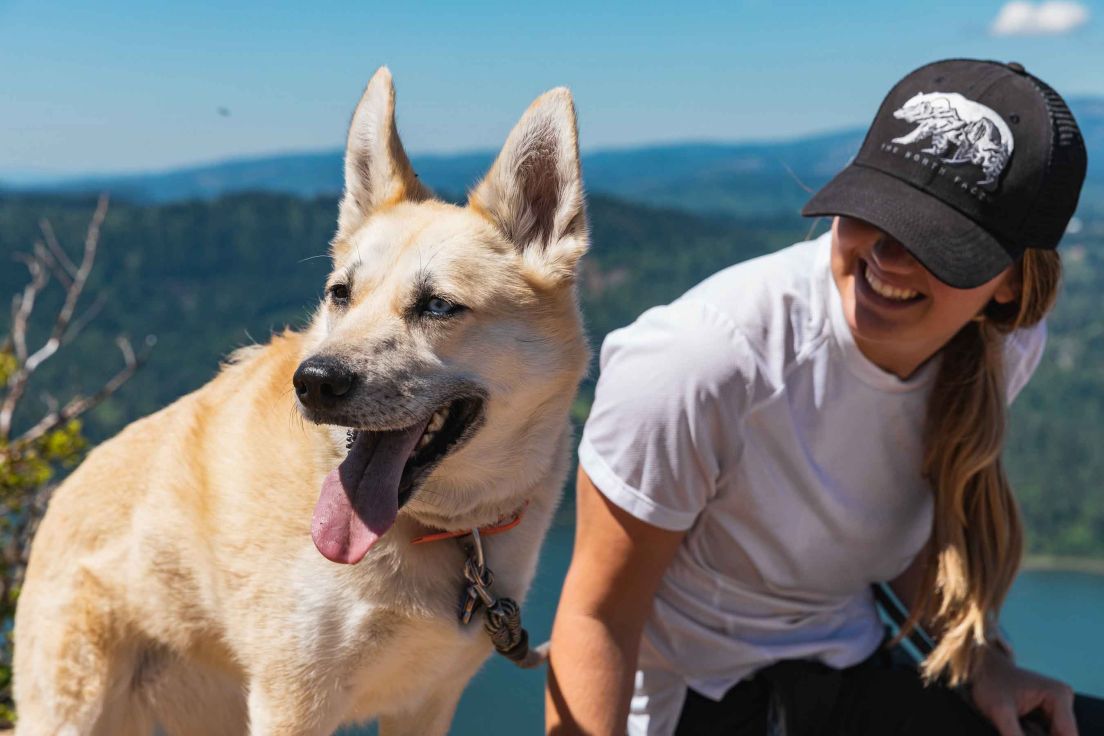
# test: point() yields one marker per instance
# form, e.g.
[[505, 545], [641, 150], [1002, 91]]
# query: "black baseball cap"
[[967, 164]]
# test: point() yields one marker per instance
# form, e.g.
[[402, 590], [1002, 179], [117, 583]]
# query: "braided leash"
[[501, 616]]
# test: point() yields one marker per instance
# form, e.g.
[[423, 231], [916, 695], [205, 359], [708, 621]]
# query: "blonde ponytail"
[[977, 537]]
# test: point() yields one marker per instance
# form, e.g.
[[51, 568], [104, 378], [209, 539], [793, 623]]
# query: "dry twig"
[[56, 249], [80, 404], [46, 260]]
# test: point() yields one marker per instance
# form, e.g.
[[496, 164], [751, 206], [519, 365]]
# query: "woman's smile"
[[883, 292]]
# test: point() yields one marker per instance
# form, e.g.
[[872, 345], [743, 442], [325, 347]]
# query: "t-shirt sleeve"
[[1023, 349], [665, 420]]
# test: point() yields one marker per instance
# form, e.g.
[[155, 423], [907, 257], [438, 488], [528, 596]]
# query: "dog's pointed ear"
[[534, 191], [377, 170]]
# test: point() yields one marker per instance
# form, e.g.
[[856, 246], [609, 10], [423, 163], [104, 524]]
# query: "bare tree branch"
[[43, 254], [41, 264], [55, 247], [82, 321], [8, 345], [50, 401], [80, 404], [65, 314], [24, 304]]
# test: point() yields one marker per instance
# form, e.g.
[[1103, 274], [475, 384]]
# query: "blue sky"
[[116, 86]]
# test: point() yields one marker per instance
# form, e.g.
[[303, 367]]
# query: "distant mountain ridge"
[[719, 178], [653, 174]]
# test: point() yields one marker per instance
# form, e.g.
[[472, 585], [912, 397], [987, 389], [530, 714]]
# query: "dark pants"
[[881, 696]]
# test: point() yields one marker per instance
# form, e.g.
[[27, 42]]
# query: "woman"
[[801, 426]]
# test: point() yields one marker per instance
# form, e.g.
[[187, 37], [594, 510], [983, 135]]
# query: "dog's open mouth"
[[362, 496]]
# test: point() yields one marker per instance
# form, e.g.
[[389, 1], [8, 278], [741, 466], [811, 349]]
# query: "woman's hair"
[[977, 538]]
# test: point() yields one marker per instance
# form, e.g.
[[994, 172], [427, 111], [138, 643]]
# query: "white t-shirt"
[[744, 413]]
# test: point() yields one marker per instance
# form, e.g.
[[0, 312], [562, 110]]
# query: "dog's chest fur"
[[397, 611]]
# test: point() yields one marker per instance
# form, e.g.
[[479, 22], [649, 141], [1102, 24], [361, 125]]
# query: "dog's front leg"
[[287, 707]]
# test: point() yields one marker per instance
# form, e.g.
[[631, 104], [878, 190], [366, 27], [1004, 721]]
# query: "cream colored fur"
[[174, 580]]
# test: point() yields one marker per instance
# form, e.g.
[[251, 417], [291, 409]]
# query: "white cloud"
[[1048, 18]]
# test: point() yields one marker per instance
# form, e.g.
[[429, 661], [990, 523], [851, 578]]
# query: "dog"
[[242, 560]]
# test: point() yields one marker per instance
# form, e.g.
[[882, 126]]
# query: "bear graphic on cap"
[[979, 135]]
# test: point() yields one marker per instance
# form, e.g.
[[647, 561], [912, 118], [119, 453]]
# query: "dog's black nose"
[[321, 381]]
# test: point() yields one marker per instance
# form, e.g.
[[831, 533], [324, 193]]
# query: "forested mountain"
[[745, 179], [206, 277]]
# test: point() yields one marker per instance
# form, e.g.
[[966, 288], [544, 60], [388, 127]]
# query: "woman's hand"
[[1004, 693]]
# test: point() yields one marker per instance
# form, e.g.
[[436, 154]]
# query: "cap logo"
[[959, 131]]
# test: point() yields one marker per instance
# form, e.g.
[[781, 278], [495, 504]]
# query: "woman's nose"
[[889, 255]]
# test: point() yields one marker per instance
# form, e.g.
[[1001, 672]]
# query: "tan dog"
[[174, 579]]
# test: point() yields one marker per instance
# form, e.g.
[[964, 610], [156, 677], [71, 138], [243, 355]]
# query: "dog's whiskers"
[[296, 418]]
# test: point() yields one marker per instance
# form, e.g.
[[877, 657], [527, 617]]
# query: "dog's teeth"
[[437, 421], [425, 440]]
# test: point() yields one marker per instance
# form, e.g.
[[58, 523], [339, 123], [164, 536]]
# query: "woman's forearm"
[[607, 596], [590, 677]]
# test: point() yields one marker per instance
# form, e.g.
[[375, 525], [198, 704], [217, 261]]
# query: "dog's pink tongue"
[[360, 497]]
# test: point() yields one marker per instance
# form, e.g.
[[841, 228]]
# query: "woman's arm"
[[615, 569]]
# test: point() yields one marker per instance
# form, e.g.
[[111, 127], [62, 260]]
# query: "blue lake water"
[[1054, 619]]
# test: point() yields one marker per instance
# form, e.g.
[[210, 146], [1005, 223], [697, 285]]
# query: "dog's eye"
[[339, 294], [438, 307]]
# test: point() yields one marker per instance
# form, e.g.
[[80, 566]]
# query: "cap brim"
[[953, 247]]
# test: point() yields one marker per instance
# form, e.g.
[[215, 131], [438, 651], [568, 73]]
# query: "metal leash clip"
[[480, 579], [501, 616]]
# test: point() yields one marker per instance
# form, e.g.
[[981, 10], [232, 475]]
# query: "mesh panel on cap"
[[1062, 178]]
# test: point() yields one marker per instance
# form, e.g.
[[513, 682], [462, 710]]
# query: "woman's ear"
[[1010, 286], [1004, 306]]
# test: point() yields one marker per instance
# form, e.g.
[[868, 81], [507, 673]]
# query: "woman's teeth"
[[435, 423], [889, 292]]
